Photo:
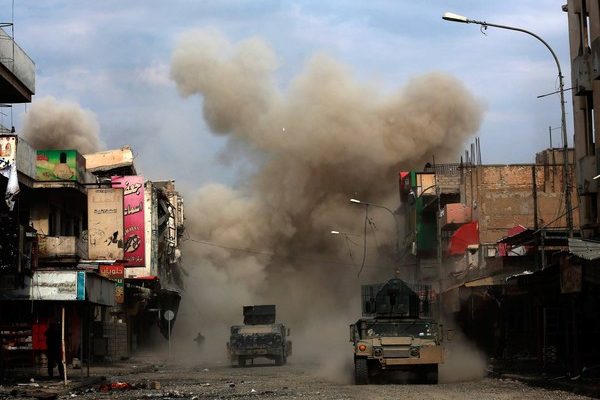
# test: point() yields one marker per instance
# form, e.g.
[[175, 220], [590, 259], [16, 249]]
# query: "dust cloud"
[[313, 145], [53, 124], [463, 362]]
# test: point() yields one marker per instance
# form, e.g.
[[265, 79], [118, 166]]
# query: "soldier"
[[199, 339], [54, 353]]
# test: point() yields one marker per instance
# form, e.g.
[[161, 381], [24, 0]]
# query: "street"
[[294, 381]]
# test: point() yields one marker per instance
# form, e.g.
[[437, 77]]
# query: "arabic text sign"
[[133, 218]]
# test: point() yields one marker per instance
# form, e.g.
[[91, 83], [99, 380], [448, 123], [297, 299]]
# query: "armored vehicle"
[[260, 336], [396, 333]]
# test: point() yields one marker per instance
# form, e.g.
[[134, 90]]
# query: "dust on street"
[[294, 381]]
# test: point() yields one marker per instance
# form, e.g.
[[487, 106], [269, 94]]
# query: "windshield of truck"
[[257, 329], [418, 329]]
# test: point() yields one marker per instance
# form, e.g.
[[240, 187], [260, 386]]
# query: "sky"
[[113, 58]]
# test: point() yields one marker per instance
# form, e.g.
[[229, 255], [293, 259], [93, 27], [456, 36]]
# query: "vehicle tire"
[[431, 375], [242, 361], [361, 371], [278, 360]]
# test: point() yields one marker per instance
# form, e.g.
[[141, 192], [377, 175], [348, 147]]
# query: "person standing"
[[53, 352]]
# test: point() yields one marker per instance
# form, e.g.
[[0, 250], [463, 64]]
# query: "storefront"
[[70, 299]]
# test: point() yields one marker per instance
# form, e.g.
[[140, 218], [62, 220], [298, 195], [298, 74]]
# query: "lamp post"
[[394, 215], [566, 178]]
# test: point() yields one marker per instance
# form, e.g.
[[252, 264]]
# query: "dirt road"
[[303, 382]]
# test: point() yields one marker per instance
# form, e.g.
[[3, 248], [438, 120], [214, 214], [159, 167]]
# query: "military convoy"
[[260, 336], [395, 333]]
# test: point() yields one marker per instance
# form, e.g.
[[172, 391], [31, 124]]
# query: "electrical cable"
[[364, 240], [349, 250], [275, 256]]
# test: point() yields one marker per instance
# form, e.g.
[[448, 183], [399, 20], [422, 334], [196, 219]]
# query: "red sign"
[[112, 271], [133, 218], [117, 274]]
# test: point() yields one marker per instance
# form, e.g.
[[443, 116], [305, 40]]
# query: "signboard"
[[133, 218], [570, 276], [117, 274], [59, 165], [8, 151], [49, 285], [105, 224], [63, 286], [169, 315]]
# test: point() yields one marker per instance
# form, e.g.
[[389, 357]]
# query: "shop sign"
[[105, 224], [59, 165], [8, 151], [570, 277], [117, 274], [133, 218]]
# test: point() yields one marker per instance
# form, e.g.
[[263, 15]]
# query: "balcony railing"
[[62, 247], [13, 58]]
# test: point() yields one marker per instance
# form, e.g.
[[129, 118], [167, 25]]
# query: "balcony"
[[17, 72], [448, 176], [61, 247], [582, 71], [586, 171]]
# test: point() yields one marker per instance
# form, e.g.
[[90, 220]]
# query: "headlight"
[[377, 351], [414, 352]]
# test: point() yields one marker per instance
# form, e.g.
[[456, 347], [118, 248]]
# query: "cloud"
[[155, 75]]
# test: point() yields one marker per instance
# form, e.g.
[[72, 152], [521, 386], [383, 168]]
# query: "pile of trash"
[[145, 384]]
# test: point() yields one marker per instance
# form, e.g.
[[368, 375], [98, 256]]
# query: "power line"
[[276, 256], [270, 254]]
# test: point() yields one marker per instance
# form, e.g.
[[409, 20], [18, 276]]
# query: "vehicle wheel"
[[361, 371], [278, 360], [431, 376], [284, 361], [242, 361]]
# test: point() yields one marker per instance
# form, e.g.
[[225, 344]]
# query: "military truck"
[[260, 336], [396, 333]]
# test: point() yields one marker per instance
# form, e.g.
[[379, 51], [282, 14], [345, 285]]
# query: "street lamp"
[[394, 215], [348, 241], [566, 179], [343, 233]]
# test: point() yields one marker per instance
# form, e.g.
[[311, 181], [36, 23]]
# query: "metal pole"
[[81, 322], [566, 175], [89, 339], [62, 334], [169, 322]]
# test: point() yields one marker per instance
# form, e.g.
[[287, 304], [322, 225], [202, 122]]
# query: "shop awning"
[[56, 285], [586, 249], [493, 280], [464, 236]]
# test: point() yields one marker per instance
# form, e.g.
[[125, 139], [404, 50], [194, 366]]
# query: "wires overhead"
[[273, 255], [364, 240]]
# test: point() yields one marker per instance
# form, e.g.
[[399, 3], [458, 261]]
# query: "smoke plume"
[[322, 140], [53, 124]]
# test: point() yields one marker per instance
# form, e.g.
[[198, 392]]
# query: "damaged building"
[[482, 234], [95, 250]]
